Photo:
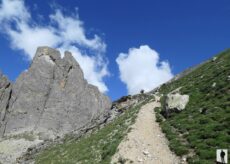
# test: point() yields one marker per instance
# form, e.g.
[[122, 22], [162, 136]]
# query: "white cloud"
[[141, 68], [61, 32], [29, 38], [13, 10], [72, 31]]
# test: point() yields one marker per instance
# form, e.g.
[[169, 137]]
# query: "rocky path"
[[145, 143]]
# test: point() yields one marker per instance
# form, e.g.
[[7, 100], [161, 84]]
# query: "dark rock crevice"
[[8, 102]]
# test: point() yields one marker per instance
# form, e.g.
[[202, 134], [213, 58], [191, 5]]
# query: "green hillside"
[[96, 148], [204, 125]]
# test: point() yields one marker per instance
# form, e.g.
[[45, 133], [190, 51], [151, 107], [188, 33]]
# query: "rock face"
[[51, 99], [174, 102], [5, 94]]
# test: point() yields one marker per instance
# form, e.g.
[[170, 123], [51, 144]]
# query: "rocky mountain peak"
[[51, 99]]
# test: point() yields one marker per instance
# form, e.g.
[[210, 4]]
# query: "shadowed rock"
[[5, 94], [174, 102]]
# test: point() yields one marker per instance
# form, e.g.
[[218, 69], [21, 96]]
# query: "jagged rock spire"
[[52, 98]]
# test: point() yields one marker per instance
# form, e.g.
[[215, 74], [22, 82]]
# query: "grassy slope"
[[204, 125], [95, 148]]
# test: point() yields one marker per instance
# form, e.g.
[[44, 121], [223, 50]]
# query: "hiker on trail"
[[222, 154]]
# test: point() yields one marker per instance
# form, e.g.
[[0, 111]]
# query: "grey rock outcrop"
[[174, 102], [52, 98], [5, 94]]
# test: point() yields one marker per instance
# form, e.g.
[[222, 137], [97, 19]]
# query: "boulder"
[[214, 58], [174, 102]]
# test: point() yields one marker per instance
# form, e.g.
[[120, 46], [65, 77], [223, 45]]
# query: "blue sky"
[[175, 35]]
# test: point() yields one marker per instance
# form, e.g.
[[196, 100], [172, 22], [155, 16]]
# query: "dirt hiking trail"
[[145, 143]]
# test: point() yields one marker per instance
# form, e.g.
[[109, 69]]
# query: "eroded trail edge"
[[145, 143]]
